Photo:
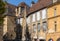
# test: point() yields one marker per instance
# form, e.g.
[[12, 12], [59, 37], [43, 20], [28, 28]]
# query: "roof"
[[23, 4], [11, 9], [39, 5]]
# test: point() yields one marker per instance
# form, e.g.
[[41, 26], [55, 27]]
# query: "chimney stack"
[[32, 3]]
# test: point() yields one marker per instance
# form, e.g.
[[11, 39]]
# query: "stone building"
[[9, 22], [41, 18]]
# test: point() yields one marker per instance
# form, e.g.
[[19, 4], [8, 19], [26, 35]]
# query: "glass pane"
[[44, 13], [38, 15], [17, 21], [28, 19], [44, 26], [20, 20], [38, 26], [33, 18], [34, 28], [55, 12]]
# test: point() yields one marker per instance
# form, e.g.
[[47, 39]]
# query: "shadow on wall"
[[27, 34], [18, 31]]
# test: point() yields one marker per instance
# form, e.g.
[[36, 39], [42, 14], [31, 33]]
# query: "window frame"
[[28, 19], [38, 28], [45, 10], [21, 20], [38, 15], [45, 26], [33, 17], [34, 28]]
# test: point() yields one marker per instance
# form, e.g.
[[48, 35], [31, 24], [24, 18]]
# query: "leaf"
[[2, 10]]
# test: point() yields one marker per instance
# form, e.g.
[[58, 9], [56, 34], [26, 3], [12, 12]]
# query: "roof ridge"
[[11, 4]]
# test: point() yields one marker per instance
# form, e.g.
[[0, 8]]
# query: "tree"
[[2, 10]]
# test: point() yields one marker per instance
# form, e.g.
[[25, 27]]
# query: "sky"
[[16, 2]]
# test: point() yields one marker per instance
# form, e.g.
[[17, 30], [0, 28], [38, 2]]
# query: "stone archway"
[[58, 39], [50, 39], [42, 40]]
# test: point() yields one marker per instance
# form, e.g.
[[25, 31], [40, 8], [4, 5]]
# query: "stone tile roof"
[[40, 4], [11, 9], [23, 4]]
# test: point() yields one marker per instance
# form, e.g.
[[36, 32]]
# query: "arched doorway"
[[42, 40], [58, 39], [50, 39]]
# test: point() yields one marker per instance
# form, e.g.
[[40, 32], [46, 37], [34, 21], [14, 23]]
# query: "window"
[[50, 39], [38, 16], [44, 11], [38, 26], [42, 40], [34, 28], [33, 18], [55, 12], [55, 25], [44, 26], [28, 19], [20, 20]]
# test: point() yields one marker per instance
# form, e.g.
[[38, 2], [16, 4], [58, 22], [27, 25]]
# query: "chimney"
[[32, 3]]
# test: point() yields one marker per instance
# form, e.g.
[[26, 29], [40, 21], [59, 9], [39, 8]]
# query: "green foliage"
[[1, 20], [2, 7], [2, 10]]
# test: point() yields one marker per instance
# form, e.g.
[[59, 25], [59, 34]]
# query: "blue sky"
[[16, 2]]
